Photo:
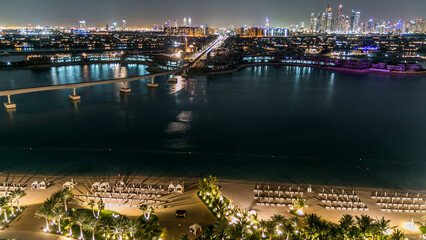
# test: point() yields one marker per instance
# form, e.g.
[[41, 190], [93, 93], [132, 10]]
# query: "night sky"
[[212, 12]]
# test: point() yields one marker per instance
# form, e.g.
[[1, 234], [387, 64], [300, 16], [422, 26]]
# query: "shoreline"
[[328, 68]]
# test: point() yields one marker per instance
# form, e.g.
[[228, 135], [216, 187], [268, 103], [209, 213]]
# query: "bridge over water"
[[182, 70]]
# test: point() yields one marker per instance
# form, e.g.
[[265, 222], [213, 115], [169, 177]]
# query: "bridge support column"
[[74, 97], [173, 79], [124, 89], [9, 104], [152, 84]]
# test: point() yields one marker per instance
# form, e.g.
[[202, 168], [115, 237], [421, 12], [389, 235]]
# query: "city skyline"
[[221, 13]]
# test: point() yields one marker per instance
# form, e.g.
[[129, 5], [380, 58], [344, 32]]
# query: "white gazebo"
[[42, 185], [171, 188], [95, 186], [179, 188], [195, 229], [104, 186], [34, 185], [70, 184]]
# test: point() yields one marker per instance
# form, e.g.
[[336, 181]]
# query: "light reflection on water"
[[337, 118]]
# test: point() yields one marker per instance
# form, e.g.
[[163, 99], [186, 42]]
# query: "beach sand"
[[239, 191]]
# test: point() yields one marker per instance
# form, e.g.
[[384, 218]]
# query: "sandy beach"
[[241, 192]]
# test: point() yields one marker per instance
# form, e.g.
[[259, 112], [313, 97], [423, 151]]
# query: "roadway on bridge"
[[184, 68]]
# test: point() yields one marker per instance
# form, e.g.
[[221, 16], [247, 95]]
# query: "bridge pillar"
[[9, 104], [152, 84], [124, 89], [74, 97], [173, 79]]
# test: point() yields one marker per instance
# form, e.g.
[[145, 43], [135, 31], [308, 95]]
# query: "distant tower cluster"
[[267, 23], [327, 22], [83, 24]]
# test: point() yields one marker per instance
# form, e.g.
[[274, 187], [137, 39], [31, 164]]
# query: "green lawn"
[[9, 218], [423, 229]]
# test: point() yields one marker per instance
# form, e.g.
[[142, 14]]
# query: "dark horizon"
[[214, 13]]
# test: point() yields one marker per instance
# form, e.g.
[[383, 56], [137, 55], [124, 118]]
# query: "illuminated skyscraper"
[[184, 22], [312, 21], [352, 21], [340, 19], [329, 23], [114, 26], [189, 21], [267, 23], [83, 24], [356, 22], [124, 24]]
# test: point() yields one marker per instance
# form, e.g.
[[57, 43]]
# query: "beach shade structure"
[[95, 185], [42, 185], [179, 188], [70, 184], [104, 186], [195, 229], [35, 185], [171, 188]]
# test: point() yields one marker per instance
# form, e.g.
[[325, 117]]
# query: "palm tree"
[[288, 229], [397, 235], [132, 227], [18, 194], [146, 211], [91, 204], [346, 223], [238, 231], [105, 228], [365, 225], [300, 203], [382, 226], [66, 195], [11, 199], [58, 212], [219, 229], [68, 227], [3, 205], [44, 211], [118, 226], [313, 224], [80, 219], [92, 225], [101, 206]]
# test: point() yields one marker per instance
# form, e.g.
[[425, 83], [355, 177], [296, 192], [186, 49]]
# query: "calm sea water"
[[293, 124]]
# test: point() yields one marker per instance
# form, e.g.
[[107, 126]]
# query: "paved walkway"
[[27, 227]]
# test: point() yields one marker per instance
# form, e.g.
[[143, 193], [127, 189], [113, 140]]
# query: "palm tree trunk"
[[93, 212], [11, 208], [81, 232], [47, 224], [59, 224], [19, 205], [65, 205], [5, 214], [93, 234]]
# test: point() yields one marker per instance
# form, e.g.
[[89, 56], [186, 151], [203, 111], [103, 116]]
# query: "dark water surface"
[[291, 124]]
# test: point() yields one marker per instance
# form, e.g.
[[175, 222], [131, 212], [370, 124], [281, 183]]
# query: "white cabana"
[[104, 186], [42, 185], [95, 186], [195, 228], [34, 185], [179, 188], [69, 185], [171, 187]]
